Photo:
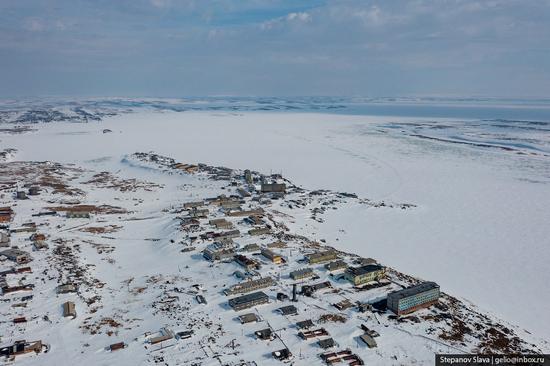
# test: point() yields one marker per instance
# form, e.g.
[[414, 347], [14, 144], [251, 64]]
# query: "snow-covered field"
[[480, 228]]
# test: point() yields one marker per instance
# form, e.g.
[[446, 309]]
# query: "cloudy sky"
[[278, 47]]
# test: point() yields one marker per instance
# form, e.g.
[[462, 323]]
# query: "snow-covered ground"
[[480, 227]]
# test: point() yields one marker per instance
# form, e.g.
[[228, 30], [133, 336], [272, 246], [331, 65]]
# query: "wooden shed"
[[69, 309]]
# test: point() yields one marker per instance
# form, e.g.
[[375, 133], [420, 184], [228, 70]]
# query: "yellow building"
[[365, 274], [272, 256]]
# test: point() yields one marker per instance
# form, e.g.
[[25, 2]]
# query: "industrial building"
[[361, 275], [413, 298], [248, 300]]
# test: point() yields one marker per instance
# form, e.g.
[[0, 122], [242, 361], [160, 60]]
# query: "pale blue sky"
[[278, 47]]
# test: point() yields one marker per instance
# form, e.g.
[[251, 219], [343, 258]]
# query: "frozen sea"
[[477, 169]]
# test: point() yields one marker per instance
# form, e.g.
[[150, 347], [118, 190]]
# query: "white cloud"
[[291, 18], [34, 24], [303, 17], [161, 3]]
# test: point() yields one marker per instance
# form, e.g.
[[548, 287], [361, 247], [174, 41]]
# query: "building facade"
[[364, 274], [413, 298], [301, 274], [321, 257], [248, 300], [272, 256]]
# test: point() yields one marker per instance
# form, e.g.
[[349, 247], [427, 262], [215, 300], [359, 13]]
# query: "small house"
[[308, 334], [16, 255], [288, 310], [34, 191], [66, 288], [184, 334], [281, 296], [282, 354], [343, 305], [116, 346], [248, 318], [243, 193], [69, 309], [326, 343], [38, 245], [304, 324], [201, 299], [4, 240], [6, 214], [264, 334]]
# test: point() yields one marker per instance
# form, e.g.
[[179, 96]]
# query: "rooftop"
[[358, 271], [248, 298], [413, 290]]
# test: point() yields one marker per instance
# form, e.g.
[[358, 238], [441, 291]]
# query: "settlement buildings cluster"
[[290, 269], [272, 268]]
